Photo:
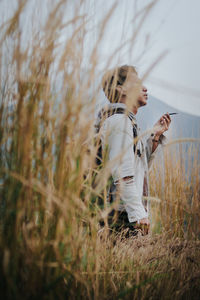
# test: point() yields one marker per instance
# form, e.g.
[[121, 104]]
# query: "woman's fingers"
[[165, 121], [163, 124], [168, 117], [143, 221]]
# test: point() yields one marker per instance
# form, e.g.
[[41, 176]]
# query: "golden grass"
[[49, 243]]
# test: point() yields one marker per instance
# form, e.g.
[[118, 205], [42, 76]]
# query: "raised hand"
[[162, 125]]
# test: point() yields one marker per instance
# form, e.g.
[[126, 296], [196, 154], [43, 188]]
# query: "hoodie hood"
[[111, 106]]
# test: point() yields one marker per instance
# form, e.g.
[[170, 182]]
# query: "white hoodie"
[[117, 133]]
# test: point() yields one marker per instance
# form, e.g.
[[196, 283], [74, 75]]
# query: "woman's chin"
[[142, 102]]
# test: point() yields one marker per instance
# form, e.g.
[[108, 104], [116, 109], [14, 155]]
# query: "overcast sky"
[[171, 30]]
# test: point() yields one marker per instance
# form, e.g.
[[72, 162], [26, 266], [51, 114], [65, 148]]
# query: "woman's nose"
[[144, 89]]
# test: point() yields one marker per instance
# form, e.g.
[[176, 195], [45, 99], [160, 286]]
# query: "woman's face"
[[133, 92]]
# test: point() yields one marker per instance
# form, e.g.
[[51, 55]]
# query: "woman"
[[119, 133]]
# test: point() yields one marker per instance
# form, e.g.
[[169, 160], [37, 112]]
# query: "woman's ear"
[[119, 88], [118, 93]]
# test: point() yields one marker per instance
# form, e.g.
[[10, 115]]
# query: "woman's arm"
[[160, 127], [157, 138]]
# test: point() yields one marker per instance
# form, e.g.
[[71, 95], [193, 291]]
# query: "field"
[[50, 246]]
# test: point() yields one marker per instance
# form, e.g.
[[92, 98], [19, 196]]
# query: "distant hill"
[[183, 125]]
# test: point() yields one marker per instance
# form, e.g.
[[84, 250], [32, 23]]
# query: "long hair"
[[113, 78]]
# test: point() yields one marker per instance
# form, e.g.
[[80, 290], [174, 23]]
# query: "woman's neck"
[[134, 109]]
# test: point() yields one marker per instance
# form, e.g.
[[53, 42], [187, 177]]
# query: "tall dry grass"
[[175, 184], [50, 247]]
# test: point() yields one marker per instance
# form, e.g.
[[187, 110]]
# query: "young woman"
[[130, 156]]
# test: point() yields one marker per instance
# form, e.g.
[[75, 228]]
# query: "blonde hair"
[[113, 78]]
